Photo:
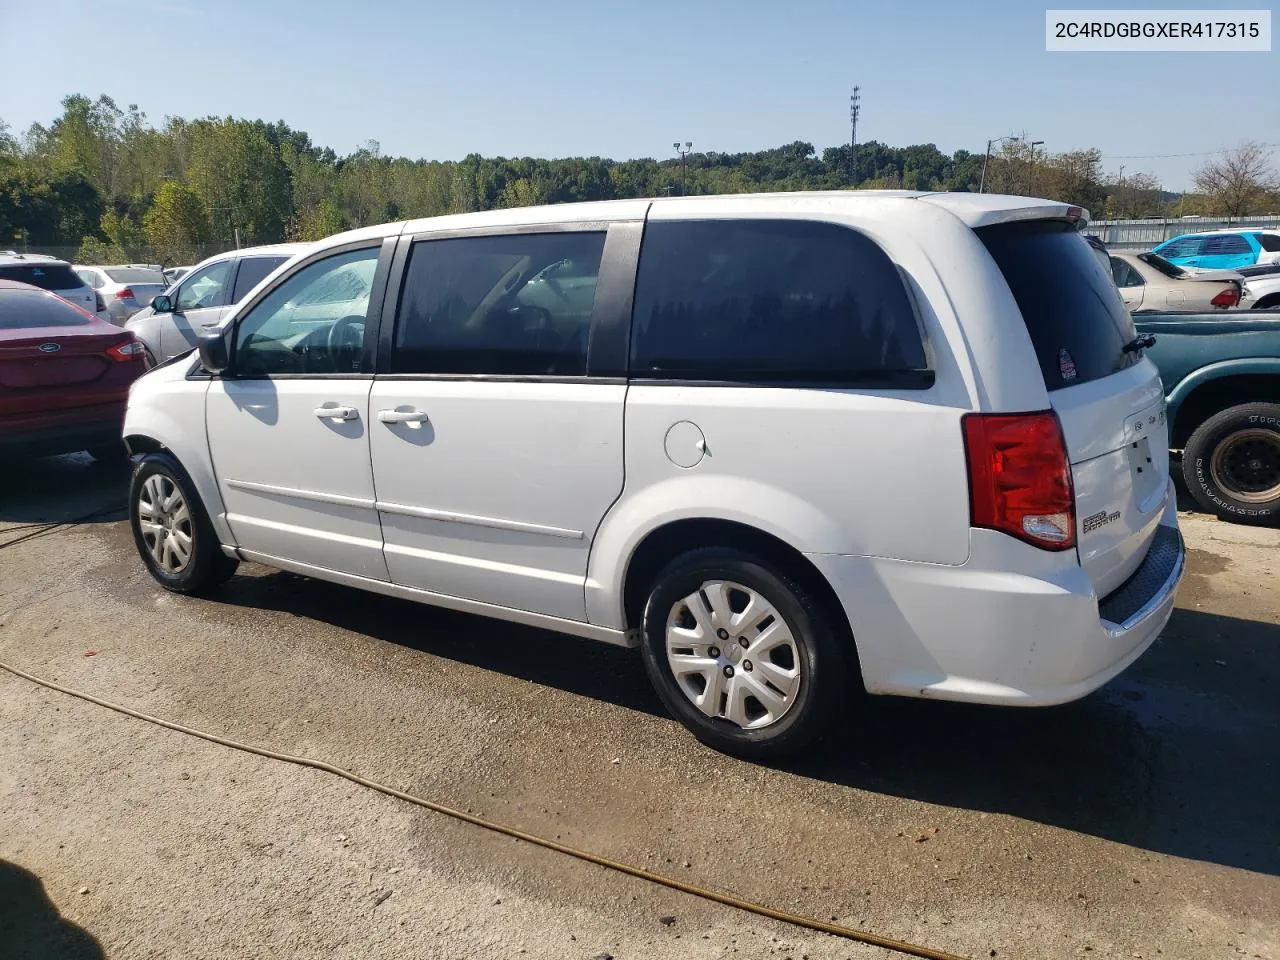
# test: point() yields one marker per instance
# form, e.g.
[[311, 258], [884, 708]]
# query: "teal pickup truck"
[[1221, 375]]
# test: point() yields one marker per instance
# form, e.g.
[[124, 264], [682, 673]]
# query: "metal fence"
[[1145, 234]]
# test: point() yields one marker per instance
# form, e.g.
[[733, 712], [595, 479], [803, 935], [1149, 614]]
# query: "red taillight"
[[125, 352], [1020, 477], [1227, 298], [124, 293]]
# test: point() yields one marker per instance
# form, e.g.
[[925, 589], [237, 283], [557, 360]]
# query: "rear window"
[[1161, 264], [46, 276], [1073, 312], [134, 275], [253, 270], [772, 301], [27, 308]]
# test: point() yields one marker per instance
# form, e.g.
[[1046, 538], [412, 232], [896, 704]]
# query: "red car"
[[64, 377]]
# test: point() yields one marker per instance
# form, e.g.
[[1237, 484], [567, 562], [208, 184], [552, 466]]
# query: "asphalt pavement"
[[1139, 822]]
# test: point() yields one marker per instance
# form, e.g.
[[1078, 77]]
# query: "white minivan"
[[794, 446]]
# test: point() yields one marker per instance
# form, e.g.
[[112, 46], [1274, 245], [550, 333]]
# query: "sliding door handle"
[[402, 416]]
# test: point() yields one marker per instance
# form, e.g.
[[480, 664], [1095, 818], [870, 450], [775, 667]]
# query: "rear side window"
[[514, 305], [27, 308], [253, 270], [1226, 243], [1270, 242], [1073, 312], [134, 275], [46, 276], [772, 301]]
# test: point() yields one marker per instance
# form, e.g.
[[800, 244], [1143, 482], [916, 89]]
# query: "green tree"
[[177, 225], [239, 174], [324, 220]]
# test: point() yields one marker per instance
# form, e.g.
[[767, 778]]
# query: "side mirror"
[[215, 357], [162, 304]]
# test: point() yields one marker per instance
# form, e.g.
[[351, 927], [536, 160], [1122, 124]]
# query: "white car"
[[798, 447], [52, 274], [1261, 287], [123, 289], [169, 325]]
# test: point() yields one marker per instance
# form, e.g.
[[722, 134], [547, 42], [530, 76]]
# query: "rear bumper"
[[1013, 625], [48, 441]]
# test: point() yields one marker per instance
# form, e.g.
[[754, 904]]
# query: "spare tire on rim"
[[1231, 463]]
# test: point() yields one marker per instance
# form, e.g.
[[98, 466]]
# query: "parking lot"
[[1139, 822]]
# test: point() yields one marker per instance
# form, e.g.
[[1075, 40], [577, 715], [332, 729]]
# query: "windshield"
[[134, 275], [1161, 264]]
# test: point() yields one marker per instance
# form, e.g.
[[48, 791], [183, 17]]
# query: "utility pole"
[[684, 152], [982, 183], [855, 107]]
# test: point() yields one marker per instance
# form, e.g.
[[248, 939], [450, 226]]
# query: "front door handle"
[[402, 416], [337, 413]]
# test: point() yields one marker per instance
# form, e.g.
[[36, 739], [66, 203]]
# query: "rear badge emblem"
[[50, 347], [1099, 519], [1066, 366]]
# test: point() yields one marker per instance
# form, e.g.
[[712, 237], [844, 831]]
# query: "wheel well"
[[666, 543], [1209, 398], [138, 443], [1270, 300]]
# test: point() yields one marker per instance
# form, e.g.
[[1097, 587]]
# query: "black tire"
[[1231, 463], [824, 648], [110, 454], [207, 566]]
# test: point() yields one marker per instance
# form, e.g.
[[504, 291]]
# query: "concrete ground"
[[1140, 822]]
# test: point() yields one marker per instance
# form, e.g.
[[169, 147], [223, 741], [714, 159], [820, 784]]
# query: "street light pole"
[[982, 184], [684, 152], [855, 107], [1031, 165]]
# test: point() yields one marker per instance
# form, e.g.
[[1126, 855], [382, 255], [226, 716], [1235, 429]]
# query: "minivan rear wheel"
[[743, 654], [1231, 463], [171, 528]]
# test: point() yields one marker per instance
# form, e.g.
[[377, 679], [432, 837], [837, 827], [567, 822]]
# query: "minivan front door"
[[495, 454], [289, 427]]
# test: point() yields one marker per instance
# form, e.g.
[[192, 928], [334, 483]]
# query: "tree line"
[[104, 181]]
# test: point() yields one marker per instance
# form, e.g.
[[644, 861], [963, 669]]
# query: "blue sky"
[[556, 78]]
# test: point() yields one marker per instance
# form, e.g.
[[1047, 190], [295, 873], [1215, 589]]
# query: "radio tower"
[[854, 107]]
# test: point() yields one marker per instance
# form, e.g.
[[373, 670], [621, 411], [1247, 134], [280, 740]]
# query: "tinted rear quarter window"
[[772, 301], [1270, 242], [253, 270], [46, 276], [1072, 310], [20, 309]]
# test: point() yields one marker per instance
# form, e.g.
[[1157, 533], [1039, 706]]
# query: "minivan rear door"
[[1106, 395]]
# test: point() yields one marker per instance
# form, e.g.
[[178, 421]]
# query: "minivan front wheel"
[[1231, 463], [172, 530], [742, 654]]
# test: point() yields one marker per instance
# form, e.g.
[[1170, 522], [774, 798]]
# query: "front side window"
[[1183, 247], [203, 288], [312, 322], [515, 305], [771, 300], [253, 270]]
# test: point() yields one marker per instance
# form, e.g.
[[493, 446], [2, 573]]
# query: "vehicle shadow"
[[31, 927], [59, 489], [1179, 756]]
